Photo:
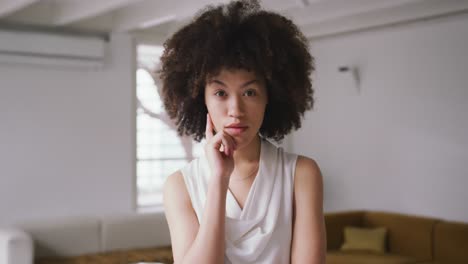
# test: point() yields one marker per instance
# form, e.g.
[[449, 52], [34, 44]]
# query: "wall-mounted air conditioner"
[[47, 49]]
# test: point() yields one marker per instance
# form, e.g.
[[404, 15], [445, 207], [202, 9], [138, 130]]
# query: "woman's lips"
[[235, 130]]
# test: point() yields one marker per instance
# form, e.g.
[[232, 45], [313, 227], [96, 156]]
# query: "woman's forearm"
[[209, 244]]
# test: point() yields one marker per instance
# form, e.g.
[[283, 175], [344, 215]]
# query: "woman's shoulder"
[[306, 163], [174, 183], [307, 174], [277, 148], [177, 179], [175, 194], [283, 151], [190, 168], [184, 181]]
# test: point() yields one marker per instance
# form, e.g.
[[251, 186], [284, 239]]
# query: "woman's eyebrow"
[[221, 83]]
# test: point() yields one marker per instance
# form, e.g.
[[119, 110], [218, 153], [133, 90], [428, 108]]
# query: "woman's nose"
[[236, 107]]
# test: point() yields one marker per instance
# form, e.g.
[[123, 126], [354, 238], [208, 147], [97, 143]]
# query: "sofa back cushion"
[[451, 242], [66, 237], [147, 230], [335, 224], [407, 235]]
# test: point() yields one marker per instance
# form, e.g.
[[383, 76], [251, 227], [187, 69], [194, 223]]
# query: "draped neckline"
[[233, 208]]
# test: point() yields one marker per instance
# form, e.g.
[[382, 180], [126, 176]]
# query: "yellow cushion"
[[368, 239], [406, 235]]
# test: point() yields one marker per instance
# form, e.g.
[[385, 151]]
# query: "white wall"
[[67, 138], [402, 144]]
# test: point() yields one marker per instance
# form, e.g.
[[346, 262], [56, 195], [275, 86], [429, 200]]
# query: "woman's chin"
[[244, 140]]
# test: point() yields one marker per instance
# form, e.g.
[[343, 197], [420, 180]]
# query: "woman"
[[238, 76]]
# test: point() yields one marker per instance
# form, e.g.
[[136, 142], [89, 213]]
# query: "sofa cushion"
[[451, 242], [335, 224], [66, 237], [135, 231], [339, 257], [407, 235], [161, 254], [369, 239]]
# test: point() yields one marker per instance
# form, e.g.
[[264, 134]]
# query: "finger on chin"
[[231, 139]]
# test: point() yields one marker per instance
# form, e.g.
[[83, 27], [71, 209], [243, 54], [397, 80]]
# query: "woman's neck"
[[249, 153]]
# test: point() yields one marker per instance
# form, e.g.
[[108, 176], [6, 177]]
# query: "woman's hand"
[[219, 150]]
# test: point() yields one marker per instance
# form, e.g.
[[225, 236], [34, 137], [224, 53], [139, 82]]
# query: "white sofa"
[[16, 247], [24, 242]]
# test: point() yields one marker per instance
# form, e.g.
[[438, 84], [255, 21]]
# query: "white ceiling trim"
[[10, 6], [333, 9], [141, 15], [67, 12], [387, 16], [316, 18]]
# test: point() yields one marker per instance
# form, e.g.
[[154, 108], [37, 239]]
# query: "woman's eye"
[[250, 93], [220, 93]]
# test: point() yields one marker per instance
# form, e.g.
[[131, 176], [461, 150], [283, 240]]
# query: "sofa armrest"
[[16, 247], [335, 224], [451, 242]]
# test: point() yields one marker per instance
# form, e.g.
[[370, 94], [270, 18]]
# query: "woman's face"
[[236, 101]]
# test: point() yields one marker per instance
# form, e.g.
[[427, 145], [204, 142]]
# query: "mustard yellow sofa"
[[145, 237], [410, 239]]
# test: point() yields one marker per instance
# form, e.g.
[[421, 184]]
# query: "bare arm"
[[204, 242], [309, 239], [191, 242]]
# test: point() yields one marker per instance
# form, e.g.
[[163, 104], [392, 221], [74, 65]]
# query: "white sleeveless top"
[[261, 232]]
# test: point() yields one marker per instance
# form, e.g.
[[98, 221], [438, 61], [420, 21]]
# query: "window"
[[160, 151]]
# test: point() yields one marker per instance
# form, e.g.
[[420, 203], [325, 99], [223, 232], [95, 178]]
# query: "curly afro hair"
[[238, 35]]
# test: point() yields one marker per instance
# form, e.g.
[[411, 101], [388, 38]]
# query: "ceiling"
[[154, 20]]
